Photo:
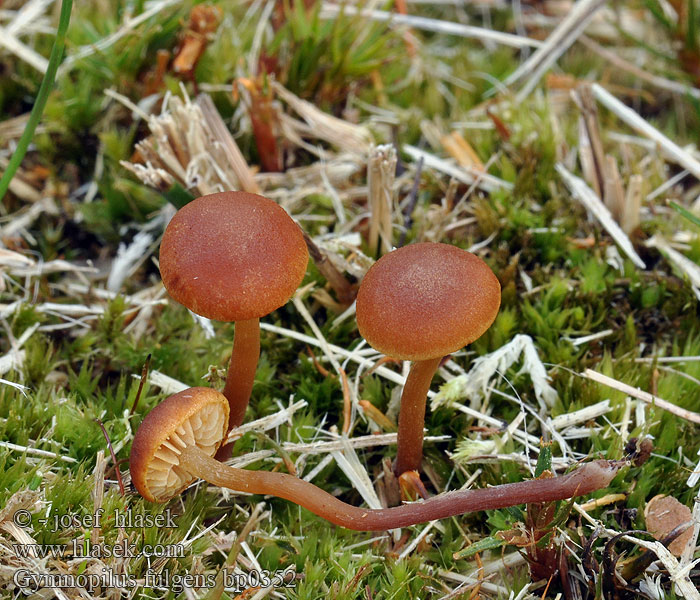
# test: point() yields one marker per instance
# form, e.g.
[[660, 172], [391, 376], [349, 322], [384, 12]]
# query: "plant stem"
[[409, 450], [585, 479], [42, 97]]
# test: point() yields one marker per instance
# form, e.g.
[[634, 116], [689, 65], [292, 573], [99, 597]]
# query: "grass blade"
[[42, 97]]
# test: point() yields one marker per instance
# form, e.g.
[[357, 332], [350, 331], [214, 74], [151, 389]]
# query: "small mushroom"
[[234, 256], [420, 303], [176, 442]]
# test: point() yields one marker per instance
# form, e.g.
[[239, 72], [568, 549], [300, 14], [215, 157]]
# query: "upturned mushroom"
[[234, 256], [421, 303], [177, 440]]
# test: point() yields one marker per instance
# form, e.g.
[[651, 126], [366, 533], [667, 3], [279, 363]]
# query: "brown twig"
[[118, 473], [344, 290], [144, 377], [411, 206]]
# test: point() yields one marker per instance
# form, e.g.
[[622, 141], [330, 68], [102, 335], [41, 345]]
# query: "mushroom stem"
[[409, 451], [588, 478], [241, 371]]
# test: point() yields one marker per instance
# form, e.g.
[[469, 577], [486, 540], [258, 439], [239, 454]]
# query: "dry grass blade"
[[560, 40], [603, 501], [348, 137], [37, 452], [350, 464], [462, 151], [588, 198], [683, 264], [380, 181], [268, 422], [583, 415], [417, 540], [10, 258], [475, 384], [694, 476], [467, 582], [130, 257], [190, 145], [688, 415], [166, 383], [632, 204], [577, 341], [354, 356], [77, 314], [26, 217], [28, 13], [127, 28], [18, 386], [338, 170], [483, 181], [672, 150], [22, 51], [336, 445], [256, 516], [14, 359], [224, 137], [12, 128], [445, 27], [320, 339], [661, 82], [679, 575], [689, 550], [613, 192], [46, 268], [33, 565], [11, 131]]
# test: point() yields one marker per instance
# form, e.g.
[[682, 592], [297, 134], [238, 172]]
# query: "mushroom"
[[420, 303], [234, 256], [176, 442]]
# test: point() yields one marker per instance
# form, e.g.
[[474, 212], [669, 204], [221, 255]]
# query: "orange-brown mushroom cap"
[[194, 416], [232, 256], [426, 300]]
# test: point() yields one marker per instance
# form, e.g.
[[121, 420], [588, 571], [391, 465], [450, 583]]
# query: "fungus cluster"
[[237, 256]]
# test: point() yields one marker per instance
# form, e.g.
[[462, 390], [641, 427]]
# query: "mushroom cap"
[[196, 415], [232, 256], [426, 300]]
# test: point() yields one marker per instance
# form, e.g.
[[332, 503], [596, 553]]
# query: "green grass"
[[42, 97]]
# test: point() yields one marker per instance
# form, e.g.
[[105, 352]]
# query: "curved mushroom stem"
[[241, 370], [409, 449], [590, 477]]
